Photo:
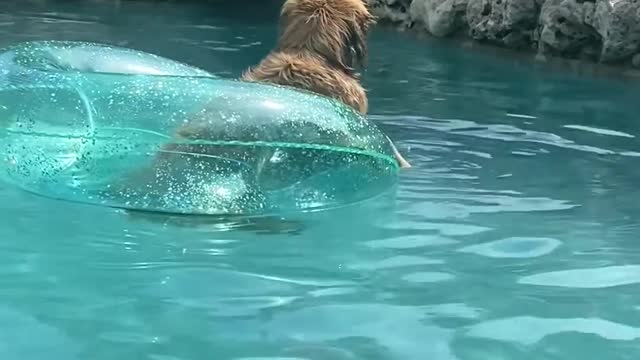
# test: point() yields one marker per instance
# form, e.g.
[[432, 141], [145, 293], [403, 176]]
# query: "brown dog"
[[320, 46], [321, 43]]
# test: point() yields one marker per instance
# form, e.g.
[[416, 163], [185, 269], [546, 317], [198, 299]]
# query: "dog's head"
[[333, 29]]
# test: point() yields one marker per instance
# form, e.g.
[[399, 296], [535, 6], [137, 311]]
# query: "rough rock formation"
[[606, 31]]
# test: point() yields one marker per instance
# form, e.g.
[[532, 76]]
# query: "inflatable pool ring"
[[112, 126]]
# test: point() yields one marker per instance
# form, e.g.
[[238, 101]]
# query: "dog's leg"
[[401, 160]]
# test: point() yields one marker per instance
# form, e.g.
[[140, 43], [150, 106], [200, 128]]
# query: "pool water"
[[514, 236]]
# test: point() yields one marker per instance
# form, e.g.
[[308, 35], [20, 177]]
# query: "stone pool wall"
[[604, 31]]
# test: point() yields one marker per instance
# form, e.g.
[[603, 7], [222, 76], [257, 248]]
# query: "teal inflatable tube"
[[111, 126]]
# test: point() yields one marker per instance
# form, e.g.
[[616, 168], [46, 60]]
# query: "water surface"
[[513, 237]]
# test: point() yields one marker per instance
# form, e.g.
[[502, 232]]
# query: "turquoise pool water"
[[513, 237]]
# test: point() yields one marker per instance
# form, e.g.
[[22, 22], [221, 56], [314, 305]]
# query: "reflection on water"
[[514, 235]]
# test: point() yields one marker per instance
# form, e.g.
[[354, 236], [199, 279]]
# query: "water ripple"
[[455, 310], [401, 330], [395, 262], [514, 247], [603, 277], [411, 242], [446, 229], [465, 204], [599, 131], [24, 337], [501, 132], [427, 277], [529, 330]]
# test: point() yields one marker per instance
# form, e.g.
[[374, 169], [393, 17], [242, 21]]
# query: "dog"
[[320, 48]]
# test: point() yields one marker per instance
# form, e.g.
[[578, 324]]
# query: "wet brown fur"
[[320, 46]]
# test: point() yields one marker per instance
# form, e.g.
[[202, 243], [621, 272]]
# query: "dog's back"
[[309, 72], [321, 43]]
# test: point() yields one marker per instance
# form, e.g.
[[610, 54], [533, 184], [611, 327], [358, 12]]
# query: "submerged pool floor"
[[513, 237]]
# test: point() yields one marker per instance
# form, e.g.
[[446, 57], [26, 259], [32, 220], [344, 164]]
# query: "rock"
[[440, 18], [605, 31], [395, 11], [618, 24], [589, 11], [563, 29], [507, 22], [636, 61], [418, 12]]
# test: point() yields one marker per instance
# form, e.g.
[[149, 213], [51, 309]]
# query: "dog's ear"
[[356, 48]]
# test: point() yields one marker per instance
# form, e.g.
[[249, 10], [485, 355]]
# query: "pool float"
[[97, 124]]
